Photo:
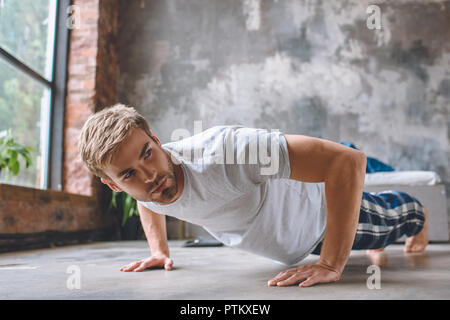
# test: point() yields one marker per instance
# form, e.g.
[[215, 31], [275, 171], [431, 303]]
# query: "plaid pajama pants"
[[384, 217]]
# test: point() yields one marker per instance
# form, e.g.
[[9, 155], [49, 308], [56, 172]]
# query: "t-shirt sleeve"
[[253, 156]]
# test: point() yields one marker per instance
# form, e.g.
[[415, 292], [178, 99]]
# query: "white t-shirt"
[[243, 202]]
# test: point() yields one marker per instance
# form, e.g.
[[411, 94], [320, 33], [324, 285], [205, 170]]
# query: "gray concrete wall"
[[305, 67]]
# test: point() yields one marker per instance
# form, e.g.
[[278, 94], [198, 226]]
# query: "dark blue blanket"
[[373, 165]]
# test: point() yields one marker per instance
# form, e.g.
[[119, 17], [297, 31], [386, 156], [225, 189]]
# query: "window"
[[33, 61]]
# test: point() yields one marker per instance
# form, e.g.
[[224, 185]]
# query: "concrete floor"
[[211, 273]]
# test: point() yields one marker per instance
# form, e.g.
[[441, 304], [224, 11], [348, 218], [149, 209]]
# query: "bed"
[[426, 186]]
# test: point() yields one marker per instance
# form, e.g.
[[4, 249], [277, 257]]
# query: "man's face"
[[139, 165]]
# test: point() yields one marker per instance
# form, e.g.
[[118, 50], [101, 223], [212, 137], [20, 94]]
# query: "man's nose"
[[151, 178], [149, 175]]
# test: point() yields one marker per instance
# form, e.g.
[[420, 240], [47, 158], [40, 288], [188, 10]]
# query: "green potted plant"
[[126, 206], [9, 154]]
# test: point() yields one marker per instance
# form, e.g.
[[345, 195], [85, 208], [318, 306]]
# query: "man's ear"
[[112, 185]]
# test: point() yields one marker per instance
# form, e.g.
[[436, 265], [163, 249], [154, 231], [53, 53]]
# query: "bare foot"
[[378, 258], [418, 242], [374, 250]]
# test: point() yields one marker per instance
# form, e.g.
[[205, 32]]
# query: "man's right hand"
[[162, 261]]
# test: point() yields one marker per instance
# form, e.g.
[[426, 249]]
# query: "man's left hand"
[[307, 275]]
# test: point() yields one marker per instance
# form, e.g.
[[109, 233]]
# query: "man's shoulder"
[[203, 137], [214, 130]]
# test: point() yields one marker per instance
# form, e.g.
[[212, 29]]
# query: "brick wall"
[[92, 77]]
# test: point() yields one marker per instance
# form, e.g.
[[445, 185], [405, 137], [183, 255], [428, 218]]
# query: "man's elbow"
[[361, 159], [359, 163], [348, 166], [364, 161]]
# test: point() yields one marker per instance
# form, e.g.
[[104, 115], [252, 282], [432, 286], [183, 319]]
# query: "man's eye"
[[131, 172], [127, 175]]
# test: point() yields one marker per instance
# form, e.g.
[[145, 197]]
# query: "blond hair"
[[102, 134]]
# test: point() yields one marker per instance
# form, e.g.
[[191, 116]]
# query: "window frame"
[[52, 175]]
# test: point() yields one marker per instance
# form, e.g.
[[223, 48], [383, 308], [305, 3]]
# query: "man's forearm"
[[343, 194], [154, 226]]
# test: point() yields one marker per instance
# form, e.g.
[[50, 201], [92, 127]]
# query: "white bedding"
[[410, 178]]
